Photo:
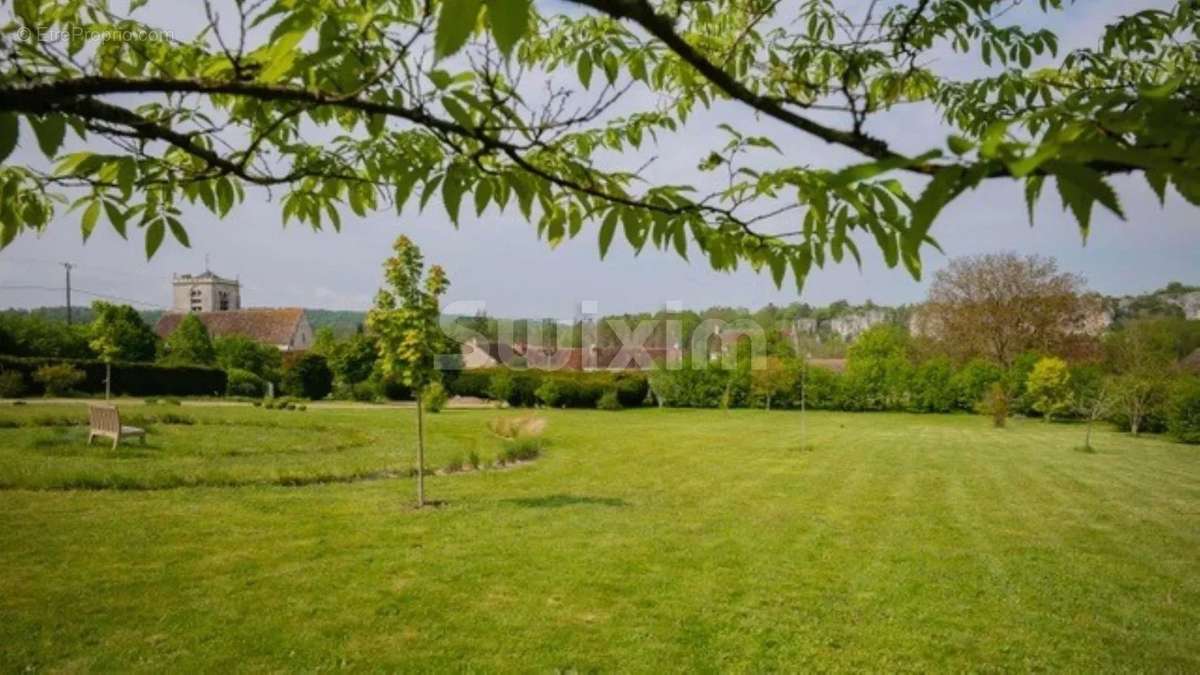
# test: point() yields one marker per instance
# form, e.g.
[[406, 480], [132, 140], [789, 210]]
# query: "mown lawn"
[[643, 540]]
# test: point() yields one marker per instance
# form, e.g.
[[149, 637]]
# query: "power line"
[[102, 296]]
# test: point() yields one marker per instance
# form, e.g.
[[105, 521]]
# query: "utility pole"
[[67, 266]]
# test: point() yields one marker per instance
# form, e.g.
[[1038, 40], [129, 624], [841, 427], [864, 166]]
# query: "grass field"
[[642, 540]]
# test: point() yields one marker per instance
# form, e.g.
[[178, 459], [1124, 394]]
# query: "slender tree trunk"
[[420, 452], [1087, 441], [107, 380]]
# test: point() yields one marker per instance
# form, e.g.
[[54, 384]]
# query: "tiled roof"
[[266, 325]]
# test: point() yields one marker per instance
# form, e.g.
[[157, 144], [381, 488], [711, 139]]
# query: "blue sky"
[[499, 261]]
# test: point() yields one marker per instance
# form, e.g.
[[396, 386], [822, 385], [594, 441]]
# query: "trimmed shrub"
[[12, 384], [131, 379], [609, 401], [973, 381], [932, 386], [365, 391], [1049, 387], [824, 389], [1183, 411], [550, 393], [391, 388], [60, 379], [435, 397], [245, 383], [308, 376], [474, 383], [500, 387]]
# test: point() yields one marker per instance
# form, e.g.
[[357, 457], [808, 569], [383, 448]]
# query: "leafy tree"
[[59, 379], [244, 383], [1016, 382], [1142, 354], [1139, 397], [404, 321], [24, 334], [338, 106], [309, 376], [189, 344], [1183, 416], [1150, 344], [1093, 400], [118, 334], [972, 382], [997, 306], [354, 359], [241, 353], [878, 369], [1049, 387], [773, 379], [325, 342], [933, 387]]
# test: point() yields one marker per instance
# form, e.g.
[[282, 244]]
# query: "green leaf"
[[178, 232], [634, 232], [404, 188], [1080, 187], [452, 190], [454, 25], [458, 112], [126, 175], [154, 238], [1033, 190], [778, 265], [679, 240], [945, 186], [583, 67], [281, 56], [959, 145], [224, 196], [482, 195], [510, 20], [9, 130], [524, 193], [1158, 183], [1187, 187], [50, 131], [801, 264], [90, 216], [1164, 90], [607, 229], [116, 218]]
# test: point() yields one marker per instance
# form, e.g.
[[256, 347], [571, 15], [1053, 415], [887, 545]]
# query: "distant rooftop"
[[204, 276]]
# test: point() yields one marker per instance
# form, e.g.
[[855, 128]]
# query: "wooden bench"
[[106, 421]]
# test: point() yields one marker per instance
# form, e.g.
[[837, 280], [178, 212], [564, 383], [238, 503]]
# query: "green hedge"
[[574, 389], [133, 379]]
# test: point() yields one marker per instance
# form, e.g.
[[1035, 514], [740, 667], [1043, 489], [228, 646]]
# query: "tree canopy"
[[189, 344], [118, 334], [335, 105]]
